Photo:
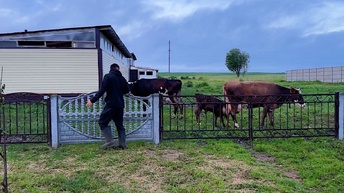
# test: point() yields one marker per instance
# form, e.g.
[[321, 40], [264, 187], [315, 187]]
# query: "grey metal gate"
[[73, 122]]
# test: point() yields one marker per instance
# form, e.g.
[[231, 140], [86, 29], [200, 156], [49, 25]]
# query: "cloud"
[[328, 18], [132, 30], [284, 22], [317, 19], [177, 10], [13, 15], [6, 12]]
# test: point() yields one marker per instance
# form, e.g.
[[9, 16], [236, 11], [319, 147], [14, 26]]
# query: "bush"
[[189, 84], [184, 77], [203, 84]]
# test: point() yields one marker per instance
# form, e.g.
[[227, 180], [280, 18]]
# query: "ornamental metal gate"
[[320, 118], [25, 118], [73, 122]]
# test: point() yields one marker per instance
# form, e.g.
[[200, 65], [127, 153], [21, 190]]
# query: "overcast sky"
[[278, 35]]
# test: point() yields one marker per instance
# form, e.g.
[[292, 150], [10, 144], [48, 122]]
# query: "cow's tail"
[[228, 107], [179, 101], [226, 99]]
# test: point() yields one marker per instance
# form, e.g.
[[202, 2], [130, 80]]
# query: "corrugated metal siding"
[[50, 70], [108, 60]]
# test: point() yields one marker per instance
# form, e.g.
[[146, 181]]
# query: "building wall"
[[111, 55], [143, 72], [49, 70], [108, 60], [149, 74]]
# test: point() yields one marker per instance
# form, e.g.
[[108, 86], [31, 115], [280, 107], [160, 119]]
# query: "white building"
[[68, 60], [137, 73]]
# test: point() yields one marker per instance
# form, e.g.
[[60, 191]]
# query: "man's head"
[[114, 66]]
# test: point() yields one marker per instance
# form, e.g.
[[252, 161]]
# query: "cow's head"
[[163, 91], [297, 97]]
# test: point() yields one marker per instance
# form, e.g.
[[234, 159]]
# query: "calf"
[[211, 104]]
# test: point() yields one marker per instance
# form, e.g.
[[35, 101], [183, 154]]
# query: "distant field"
[[228, 76], [211, 83]]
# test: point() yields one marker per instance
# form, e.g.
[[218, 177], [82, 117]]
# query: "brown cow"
[[211, 104], [259, 94]]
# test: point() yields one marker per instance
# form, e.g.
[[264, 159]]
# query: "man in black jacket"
[[115, 86]]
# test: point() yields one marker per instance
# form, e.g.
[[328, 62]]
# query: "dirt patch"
[[241, 177], [292, 174], [151, 175], [172, 155], [263, 157], [237, 169]]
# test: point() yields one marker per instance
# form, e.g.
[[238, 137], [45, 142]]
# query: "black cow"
[[168, 87], [211, 104], [259, 94]]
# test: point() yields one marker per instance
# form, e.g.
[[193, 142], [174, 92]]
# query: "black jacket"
[[115, 86]]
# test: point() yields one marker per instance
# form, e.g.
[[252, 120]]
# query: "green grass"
[[293, 165], [272, 165]]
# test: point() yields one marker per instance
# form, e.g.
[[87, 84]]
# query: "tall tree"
[[237, 61]]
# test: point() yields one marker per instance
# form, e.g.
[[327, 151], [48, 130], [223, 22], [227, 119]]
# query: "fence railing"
[[318, 119]]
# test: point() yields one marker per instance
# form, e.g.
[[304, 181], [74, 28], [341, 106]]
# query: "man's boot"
[[109, 141], [121, 140]]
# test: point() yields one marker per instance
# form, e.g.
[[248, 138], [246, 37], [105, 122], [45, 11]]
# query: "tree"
[[237, 61]]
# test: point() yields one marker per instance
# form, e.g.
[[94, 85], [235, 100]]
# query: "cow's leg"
[[225, 114], [171, 101], [265, 111], [231, 109], [227, 119], [235, 110], [177, 104], [215, 119], [221, 118], [180, 105], [271, 117], [233, 115], [197, 113], [236, 124]]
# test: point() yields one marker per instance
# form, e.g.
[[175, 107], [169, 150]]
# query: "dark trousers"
[[111, 113]]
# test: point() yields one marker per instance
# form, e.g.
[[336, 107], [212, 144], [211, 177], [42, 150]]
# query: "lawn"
[[271, 165]]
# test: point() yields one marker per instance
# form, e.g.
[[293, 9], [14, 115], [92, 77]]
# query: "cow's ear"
[[293, 90]]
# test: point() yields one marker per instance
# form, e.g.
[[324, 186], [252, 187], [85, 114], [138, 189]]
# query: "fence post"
[[156, 114], [54, 121], [341, 116]]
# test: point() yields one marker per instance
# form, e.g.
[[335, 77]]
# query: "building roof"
[[144, 68], [107, 30]]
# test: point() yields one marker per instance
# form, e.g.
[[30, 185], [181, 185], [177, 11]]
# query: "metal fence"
[[318, 119], [330, 74], [25, 118]]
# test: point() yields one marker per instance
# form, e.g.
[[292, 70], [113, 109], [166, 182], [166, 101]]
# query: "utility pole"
[[169, 57]]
